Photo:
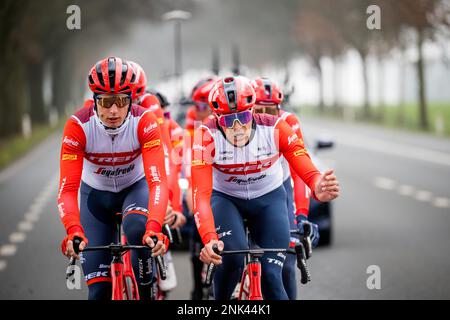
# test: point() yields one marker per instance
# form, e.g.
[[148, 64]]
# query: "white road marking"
[[25, 226], [391, 148], [385, 183], [17, 237], [31, 216], [441, 202], [8, 250], [423, 195], [406, 190]]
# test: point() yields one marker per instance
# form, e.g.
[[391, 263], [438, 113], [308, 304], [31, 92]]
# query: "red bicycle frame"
[[253, 272]]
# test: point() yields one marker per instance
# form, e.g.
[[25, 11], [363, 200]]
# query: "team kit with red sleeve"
[[229, 182], [122, 153]]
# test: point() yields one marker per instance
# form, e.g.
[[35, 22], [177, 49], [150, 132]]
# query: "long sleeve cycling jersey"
[[244, 172], [301, 191], [111, 160], [152, 103]]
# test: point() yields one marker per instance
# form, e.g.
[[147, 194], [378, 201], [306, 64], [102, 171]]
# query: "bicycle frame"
[[121, 268]]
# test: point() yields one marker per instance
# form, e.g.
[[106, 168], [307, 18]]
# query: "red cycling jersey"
[[301, 191], [152, 103], [247, 172], [111, 161]]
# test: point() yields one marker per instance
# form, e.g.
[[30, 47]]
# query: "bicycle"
[[124, 285], [250, 284]]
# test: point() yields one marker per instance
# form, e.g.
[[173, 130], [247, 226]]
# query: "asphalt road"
[[394, 213]]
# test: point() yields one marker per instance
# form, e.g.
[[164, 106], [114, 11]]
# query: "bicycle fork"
[[254, 274]]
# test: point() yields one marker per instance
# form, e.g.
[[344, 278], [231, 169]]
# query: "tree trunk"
[[366, 113], [381, 102], [320, 80], [336, 100], [38, 111], [402, 88], [423, 115]]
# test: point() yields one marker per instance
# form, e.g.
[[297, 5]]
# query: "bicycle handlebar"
[[117, 249]]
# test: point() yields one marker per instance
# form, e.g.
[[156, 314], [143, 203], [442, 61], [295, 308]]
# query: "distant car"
[[321, 212]]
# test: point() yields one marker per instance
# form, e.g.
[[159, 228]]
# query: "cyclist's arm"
[[154, 168], [71, 167], [176, 138], [301, 195], [201, 171], [301, 191], [294, 151]]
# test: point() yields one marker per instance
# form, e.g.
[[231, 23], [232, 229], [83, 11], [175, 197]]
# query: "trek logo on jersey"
[[67, 156], [152, 143], [157, 195], [151, 127], [63, 183], [244, 182], [70, 142], [224, 234], [248, 167], [295, 127], [292, 138], [299, 152], [61, 210], [97, 274], [197, 219], [118, 158], [155, 174], [114, 173]]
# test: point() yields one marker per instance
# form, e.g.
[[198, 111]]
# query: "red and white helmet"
[[267, 91], [112, 75], [139, 88], [231, 94], [201, 90]]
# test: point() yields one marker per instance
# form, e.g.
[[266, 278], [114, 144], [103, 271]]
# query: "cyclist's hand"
[[179, 221], [160, 247], [67, 244], [207, 255], [314, 236], [327, 187]]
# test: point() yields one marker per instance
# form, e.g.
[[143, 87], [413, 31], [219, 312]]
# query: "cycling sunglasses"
[[273, 109], [201, 106], [227, 120], [108, 101], [167, 114]]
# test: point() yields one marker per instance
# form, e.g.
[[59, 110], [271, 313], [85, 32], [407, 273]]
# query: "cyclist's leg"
[[289, 274], [230, 228], [99, 226], [134, 219], [269, 228]]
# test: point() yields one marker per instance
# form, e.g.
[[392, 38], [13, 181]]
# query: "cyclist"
[[174, 216], [236, 174], [196, 114], [151, 102], [200, 111], [268, 100], [114, 148]]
